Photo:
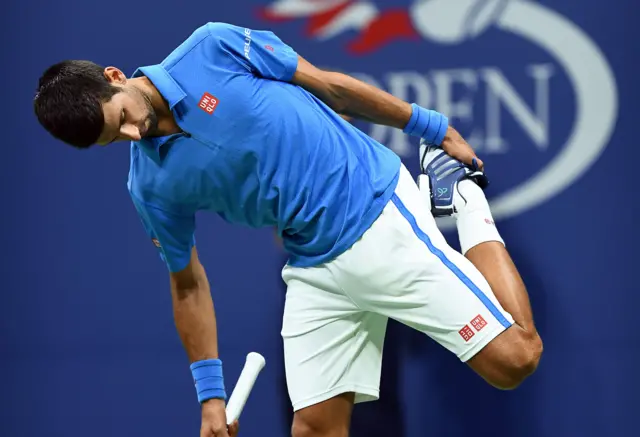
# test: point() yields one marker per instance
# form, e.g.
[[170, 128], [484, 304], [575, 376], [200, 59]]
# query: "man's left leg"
[[493, 261], [514, 355], [409, 273]]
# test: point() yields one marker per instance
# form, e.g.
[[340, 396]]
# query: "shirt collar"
[[172, 93], [165, 84]]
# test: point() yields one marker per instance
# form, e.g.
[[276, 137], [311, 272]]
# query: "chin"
[[151, 125]]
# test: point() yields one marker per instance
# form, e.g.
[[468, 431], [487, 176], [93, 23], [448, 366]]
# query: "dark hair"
[[68, 102]]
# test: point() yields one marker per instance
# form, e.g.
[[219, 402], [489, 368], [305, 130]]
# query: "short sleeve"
[[261, 51], [172, 234]]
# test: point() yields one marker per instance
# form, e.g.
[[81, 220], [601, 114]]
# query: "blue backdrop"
[[547, 93]]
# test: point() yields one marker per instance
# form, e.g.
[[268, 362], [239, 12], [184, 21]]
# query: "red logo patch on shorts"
[[478, 322], [269, 48], [466, 333], [208, 103]]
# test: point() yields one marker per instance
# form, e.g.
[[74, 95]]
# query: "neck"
[[166, 122]]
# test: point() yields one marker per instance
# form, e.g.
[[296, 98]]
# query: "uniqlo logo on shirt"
[[478, 322], [466, 333], [208, 103]]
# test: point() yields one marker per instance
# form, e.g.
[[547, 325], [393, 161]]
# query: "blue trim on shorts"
[[451, 266]]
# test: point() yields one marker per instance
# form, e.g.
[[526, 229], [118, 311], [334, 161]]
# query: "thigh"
[[331, 346], [404, 269]]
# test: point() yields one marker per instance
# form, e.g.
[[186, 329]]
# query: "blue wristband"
[[207, 376], [427, 124]]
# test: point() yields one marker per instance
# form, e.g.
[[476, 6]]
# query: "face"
[[129, 115]]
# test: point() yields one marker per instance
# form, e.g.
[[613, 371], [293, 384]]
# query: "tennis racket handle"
[[252, 367]]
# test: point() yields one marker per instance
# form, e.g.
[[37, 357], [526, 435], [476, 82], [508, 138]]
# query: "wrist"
[[208, 379], [447, 136], [427, 124], [213, 403]]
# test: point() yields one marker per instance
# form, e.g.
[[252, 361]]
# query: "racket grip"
[[252, 367]]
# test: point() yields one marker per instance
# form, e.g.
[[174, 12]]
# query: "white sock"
[[473, 217]]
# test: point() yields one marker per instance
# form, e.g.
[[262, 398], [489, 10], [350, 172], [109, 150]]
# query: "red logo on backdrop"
[[208, 103], [466, 333], [478, 322], [329, 18]]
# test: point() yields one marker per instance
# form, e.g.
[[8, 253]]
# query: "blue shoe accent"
[[444, 173]]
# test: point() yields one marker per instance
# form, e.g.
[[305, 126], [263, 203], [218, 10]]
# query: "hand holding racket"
[[218, 422], [214, 422]]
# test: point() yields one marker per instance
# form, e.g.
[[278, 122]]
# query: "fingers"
[[208, 431], [222, 432], [234, 428], [477, 163]]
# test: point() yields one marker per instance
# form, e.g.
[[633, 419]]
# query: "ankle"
[[469, 197], [473, 217]]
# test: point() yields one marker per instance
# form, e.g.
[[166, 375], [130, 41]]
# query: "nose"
[[130, 132]]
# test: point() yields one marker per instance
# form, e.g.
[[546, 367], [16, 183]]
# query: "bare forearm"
[[358, 99], [354, 98], [195, 320]]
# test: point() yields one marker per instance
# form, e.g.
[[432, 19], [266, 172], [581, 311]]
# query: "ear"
[[115, 76]]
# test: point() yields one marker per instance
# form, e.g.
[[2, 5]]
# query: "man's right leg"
[[333, 352], [330, 418]]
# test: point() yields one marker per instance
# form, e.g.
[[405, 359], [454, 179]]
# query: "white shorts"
[[402, 268]]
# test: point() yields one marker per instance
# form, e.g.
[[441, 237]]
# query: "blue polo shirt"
[[256, 150]]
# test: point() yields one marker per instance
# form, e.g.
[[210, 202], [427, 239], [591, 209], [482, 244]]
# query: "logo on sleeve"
[[208, 103], [247, 43], [156, 243]]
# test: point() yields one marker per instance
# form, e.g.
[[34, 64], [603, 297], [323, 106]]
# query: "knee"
[[521, 361], [304, 426], [301, 428]]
